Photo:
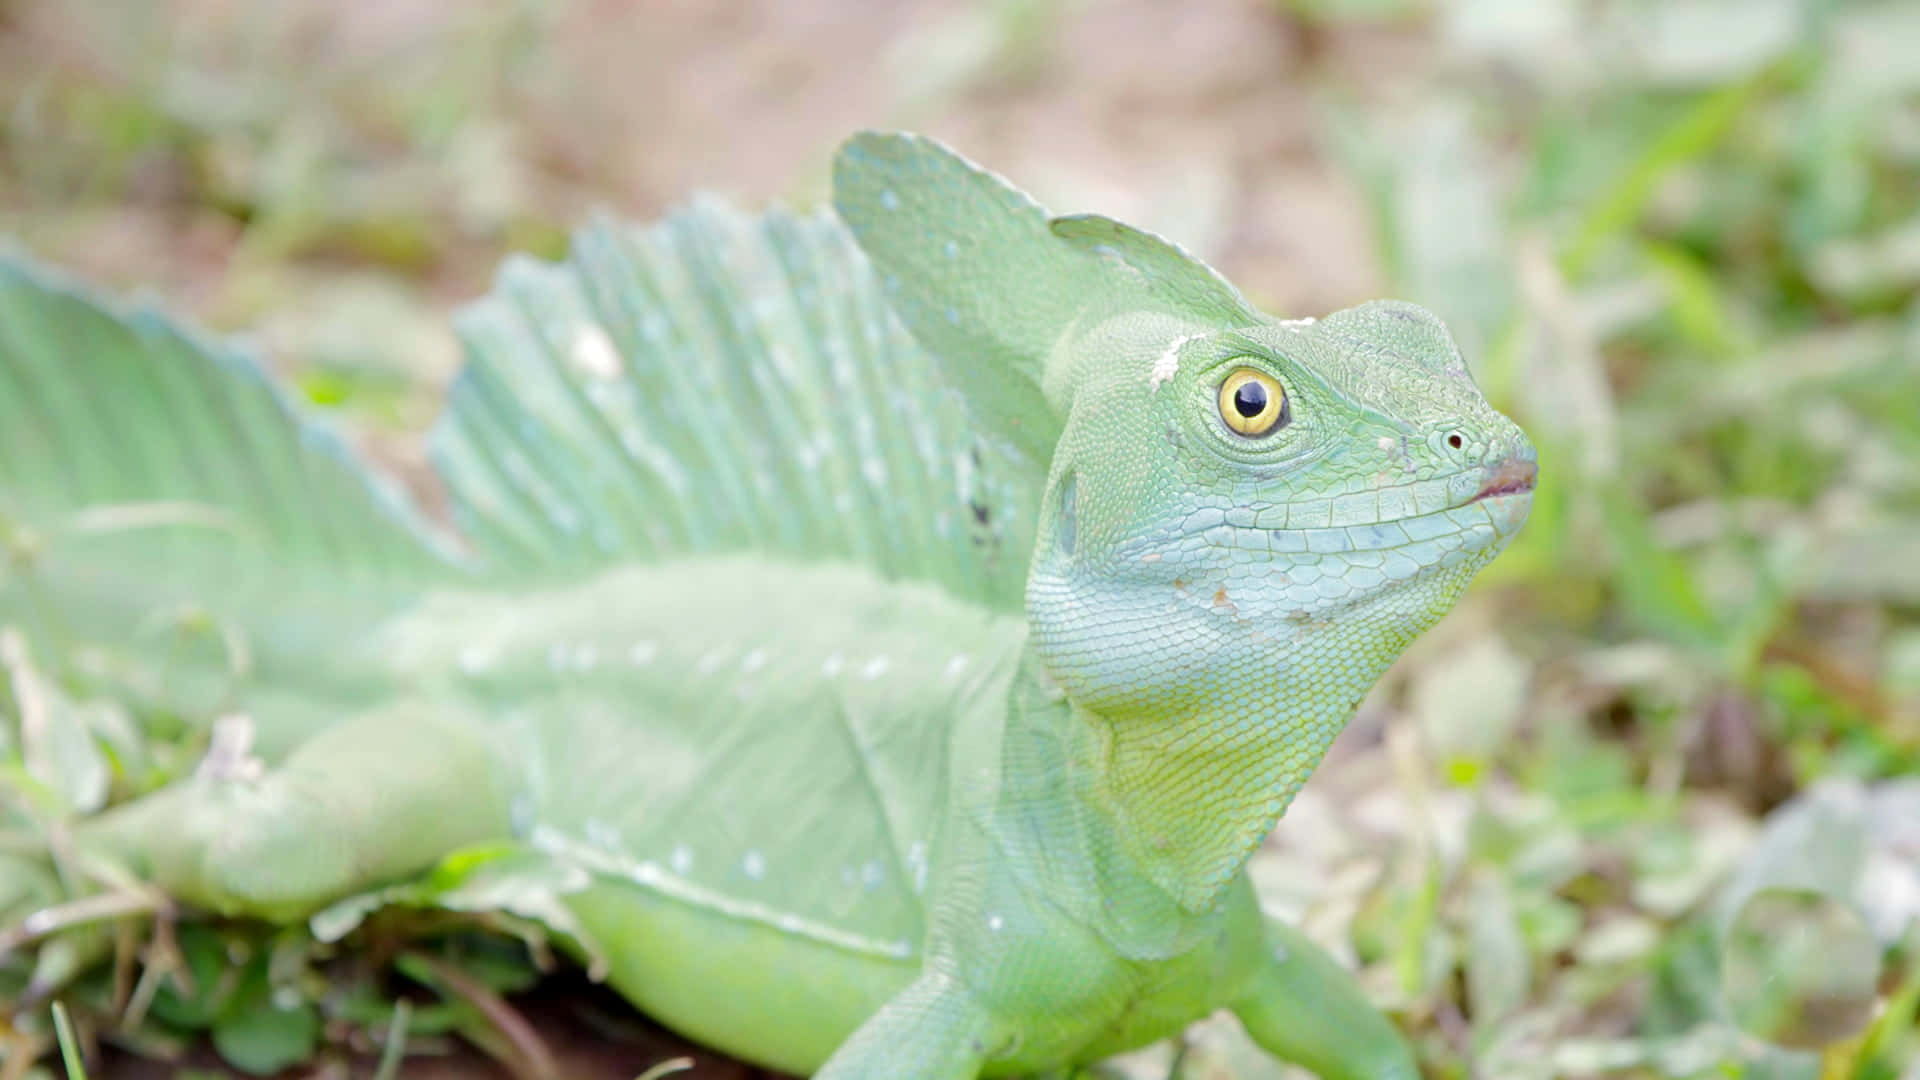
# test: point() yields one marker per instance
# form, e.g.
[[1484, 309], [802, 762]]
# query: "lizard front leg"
[[1304, 1007], [370, 800], [932, 1030]]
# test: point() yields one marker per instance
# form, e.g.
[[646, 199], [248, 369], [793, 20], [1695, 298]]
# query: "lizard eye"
[[1252, 402]]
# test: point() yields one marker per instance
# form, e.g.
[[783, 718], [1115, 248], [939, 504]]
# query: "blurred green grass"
[[1680, 242]]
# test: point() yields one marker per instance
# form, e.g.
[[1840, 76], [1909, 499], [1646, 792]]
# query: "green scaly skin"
[[1065, 797]]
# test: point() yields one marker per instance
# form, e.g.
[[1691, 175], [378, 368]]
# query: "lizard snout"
[[1514, 476]]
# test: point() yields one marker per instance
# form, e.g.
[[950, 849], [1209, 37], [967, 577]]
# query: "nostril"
[[1454, 440]]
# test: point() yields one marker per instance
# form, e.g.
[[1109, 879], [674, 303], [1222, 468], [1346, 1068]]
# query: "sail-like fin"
[[151, 477], [969, 264], [1160, 268], [724, 383]]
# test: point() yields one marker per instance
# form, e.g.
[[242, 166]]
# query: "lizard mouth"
[[1511, 477]]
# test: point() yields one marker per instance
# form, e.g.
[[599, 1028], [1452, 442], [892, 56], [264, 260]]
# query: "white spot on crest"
[[956, 665], [833, 666], [754, 661], [952, 249], [602, 835], [995, 923], [872, 874], [593, 353], [475, 659], [754, 865], [557, 656], [584, 657], [889, 200], [710, 662], [1300, 323], [642, 653], [917, 865], [875, 667], [681, 860]]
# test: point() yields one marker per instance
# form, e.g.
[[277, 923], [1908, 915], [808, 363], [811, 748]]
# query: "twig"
[[87, 909], [538, 1063], [667, 1068]]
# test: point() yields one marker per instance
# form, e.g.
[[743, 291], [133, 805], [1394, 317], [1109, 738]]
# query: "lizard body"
[[913, 703]]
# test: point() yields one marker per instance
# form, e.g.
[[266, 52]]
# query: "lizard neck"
[[1190, 771], [1144, 819], [1193, 795]]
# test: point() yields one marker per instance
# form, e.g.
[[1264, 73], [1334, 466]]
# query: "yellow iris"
[[1252, 402]]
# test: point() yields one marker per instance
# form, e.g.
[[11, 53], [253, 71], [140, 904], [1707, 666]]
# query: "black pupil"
[[1250, 400]]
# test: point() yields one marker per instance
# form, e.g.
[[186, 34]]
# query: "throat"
[[1153, 815], [1194, 797]]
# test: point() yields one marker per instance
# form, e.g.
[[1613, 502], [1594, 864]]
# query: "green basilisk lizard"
[[909, 620]]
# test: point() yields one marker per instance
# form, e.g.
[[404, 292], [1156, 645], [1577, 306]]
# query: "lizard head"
[[1237, 508], [1244, 519], [1257, 495]]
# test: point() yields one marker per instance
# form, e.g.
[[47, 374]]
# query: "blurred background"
[[1645, 806]]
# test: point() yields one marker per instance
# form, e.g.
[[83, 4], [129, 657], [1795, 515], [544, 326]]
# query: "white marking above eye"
[[1167, 364]]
